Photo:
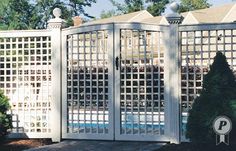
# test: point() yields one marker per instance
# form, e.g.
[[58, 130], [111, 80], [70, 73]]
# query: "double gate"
[[114, 82]]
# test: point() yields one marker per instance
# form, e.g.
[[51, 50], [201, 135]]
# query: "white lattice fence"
[[199, 44], [25, 77]]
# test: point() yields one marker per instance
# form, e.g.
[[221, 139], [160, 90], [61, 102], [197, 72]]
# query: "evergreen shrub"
[[217, 98], [5, 119]]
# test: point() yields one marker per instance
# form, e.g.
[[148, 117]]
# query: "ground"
[[22, 144], [198, 147]]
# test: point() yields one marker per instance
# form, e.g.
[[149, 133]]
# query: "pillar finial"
[[174, 7], [56, 22], [57, 12], [174, 17]]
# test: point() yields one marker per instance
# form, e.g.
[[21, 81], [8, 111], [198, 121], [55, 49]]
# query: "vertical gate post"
[[55, 25], [172, 76]]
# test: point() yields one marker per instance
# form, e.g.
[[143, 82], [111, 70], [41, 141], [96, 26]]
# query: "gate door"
[[89, 83], [135, 72], [140, 84]]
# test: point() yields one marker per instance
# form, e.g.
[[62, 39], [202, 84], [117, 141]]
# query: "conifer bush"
[[217, 98], [5, 119]]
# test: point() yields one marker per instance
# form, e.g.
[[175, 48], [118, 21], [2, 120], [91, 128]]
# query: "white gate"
[[88, 77], [139, 83], [114, 83]]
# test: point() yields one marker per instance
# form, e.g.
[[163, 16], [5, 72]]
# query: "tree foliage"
[[5, 119], [43, 12], [34, 14], [190, 5], [134, 5], [107, 14], [155, 7], [76, 7], [3, 4], [218, 98], [17, 14]]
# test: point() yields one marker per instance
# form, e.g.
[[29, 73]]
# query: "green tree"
[[34, 14], [43, 12], [218, 97], [3, 5], [5, 119], [190, 5], [107, 14], [155, 7], [77, 6], [17, 14], [134, 5]]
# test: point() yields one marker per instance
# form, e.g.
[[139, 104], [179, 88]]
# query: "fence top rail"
[[25, 33], [87, 28], [137, 26], [210, 26], [110, 26]]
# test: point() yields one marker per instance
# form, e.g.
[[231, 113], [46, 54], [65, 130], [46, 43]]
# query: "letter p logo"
[[221, 124]]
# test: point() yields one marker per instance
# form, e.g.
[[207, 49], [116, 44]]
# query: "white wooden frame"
[[117, 46], [110, 134]]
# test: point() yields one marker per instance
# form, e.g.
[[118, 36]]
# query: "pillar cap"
[[174, 17], [56, 22]]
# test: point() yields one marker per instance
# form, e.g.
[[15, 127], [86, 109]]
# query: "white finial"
[[175, 17], [57, 12], [56, 22], [174, 7]]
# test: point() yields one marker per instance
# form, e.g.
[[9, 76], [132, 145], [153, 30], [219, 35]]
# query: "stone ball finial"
[[57, 12], [174, 7], [174, 17]]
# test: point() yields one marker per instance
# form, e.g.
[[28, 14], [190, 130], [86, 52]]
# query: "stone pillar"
[[172, 75], [55, 25]]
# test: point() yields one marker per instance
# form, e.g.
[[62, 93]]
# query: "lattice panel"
[[198, 49], [87, 83], [25, 77], [142, 83]]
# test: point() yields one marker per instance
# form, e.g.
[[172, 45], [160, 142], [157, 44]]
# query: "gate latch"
[[117, 63]]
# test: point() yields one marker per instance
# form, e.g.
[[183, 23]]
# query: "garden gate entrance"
[[114, 83], [111, 81]]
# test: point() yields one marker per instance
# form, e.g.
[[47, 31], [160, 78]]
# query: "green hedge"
[[217, 98], [5, 119]]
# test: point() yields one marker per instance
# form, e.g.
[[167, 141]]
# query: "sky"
[[96, 9]]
